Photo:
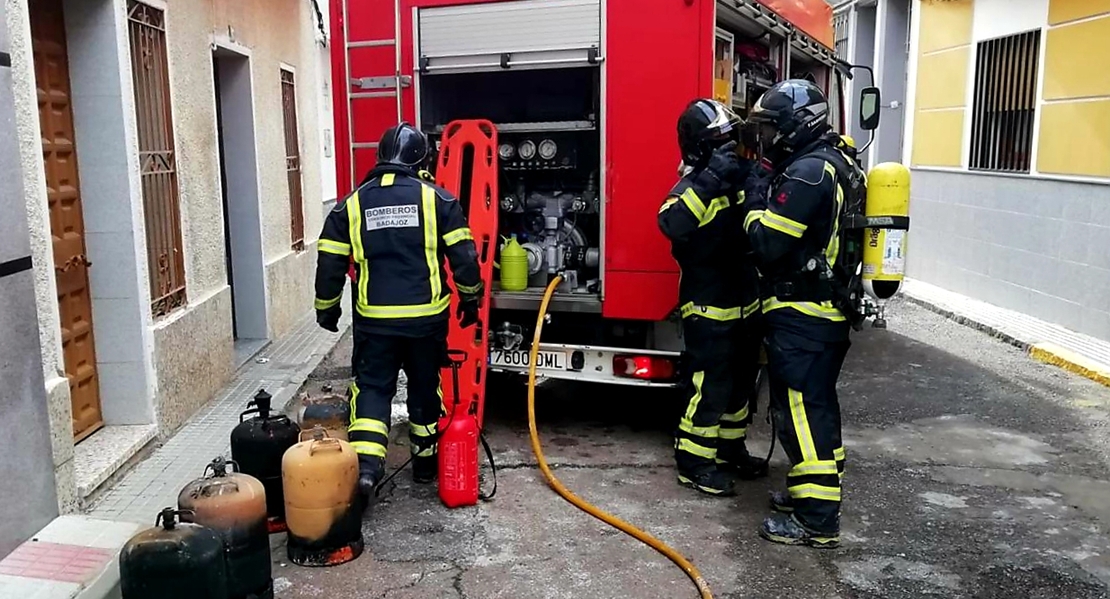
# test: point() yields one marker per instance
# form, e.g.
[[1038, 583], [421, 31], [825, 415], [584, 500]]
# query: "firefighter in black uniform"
[[718, 300], [398, 227], [795, 230]]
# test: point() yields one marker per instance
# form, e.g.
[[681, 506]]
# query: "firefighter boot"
[[424, 469], [709, 480], [787, 530], [781, 502], [741, 464]]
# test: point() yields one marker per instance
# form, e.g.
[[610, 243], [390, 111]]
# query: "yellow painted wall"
[[938, 138], [1075, 119], [945, 24], [1060, 11], [1077, 60], [942, 79], [1075, 139]]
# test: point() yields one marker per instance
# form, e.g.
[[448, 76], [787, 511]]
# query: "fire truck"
[[584, 96]]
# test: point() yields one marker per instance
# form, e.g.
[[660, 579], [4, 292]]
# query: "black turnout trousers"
[[803, 374], [378, 357]]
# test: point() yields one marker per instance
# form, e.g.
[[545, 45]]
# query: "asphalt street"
[[972, 471]]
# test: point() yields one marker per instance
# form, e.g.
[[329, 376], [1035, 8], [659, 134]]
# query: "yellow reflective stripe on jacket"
[[811, 491], [368, 425], [823, 310], [839, 454], [752, 308], [458, 235], [723, 314], [423, 430], [410, 311], [814, 468], [694, 203], [431, 242], [387, 180], [322, 304], [715, 206], [333, 247], [752, 216], [832, 250], [368, 448], [354, 228], [471, 289], [667, 204], [782, 224]]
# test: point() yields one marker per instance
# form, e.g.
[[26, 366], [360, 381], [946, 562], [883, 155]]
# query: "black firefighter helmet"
[[403, 145], [703, 127], [789, 115]]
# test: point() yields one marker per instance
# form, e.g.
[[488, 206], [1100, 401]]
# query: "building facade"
[[173, 158], [1008, 137]]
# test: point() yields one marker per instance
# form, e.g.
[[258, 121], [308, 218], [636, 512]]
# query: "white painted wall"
[[999, 18]]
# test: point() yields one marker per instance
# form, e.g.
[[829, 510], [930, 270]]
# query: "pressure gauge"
[[548, 149], [506, 151], [527, 149]]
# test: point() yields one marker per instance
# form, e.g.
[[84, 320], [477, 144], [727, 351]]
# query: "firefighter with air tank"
[[809, 233]]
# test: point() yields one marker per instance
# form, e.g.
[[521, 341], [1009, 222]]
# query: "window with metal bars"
[[1005, 103], [293, 158], [157, 161]]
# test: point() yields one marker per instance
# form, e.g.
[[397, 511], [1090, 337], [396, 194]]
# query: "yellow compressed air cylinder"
[[884, 246]]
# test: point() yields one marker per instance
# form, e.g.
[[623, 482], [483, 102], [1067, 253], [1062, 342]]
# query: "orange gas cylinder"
[[322, 507], [234, 506]]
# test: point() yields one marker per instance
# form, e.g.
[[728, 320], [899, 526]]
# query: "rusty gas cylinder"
[[234, 505], [173, 561], [257, 445], [322, 506], [328, 409]]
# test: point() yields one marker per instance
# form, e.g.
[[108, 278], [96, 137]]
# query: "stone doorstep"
[[73, 557], [103, 454]]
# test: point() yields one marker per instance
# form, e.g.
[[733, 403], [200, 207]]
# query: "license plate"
[[547, 360]]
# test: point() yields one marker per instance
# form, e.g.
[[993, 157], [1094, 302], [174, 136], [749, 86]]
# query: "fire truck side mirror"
[[869, 100]]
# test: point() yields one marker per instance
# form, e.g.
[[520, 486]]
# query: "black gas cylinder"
[[173, 561], [257, 446]]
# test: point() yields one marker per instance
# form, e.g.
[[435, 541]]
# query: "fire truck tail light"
[[650, 368]]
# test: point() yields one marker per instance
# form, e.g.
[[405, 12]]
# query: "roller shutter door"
[[520, 34]]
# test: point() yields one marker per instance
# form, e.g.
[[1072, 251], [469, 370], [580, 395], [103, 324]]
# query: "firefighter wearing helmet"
[[398, 227], [718, 300], [796, 234]]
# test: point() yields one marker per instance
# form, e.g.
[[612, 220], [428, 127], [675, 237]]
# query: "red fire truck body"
[[584, 95]]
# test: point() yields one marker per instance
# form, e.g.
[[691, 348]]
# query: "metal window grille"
[[150, 73], [1005, 103], [293, 159], [840, 26]]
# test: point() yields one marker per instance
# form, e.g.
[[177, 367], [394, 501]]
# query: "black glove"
[[467, 312], [723, 171], [329, 319]]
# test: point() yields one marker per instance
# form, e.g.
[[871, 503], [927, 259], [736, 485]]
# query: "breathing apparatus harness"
[[842, 283]]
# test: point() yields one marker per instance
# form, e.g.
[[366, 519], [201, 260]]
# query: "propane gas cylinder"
[[328, 409], [257, 445], [322, 506], [458, 458], [234, 505], [173, 561]]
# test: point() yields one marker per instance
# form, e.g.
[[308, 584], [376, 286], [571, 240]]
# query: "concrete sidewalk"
[[1045, 342]]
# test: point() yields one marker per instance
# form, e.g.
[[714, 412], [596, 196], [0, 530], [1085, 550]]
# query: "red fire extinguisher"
[[459, 436]]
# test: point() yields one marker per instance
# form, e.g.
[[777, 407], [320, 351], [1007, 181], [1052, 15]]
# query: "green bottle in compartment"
[[514, 266]]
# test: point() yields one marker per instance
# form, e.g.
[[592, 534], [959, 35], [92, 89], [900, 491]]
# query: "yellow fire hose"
[[578, 502]]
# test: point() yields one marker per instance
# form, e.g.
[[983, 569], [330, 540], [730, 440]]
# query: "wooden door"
[[67, 224]]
